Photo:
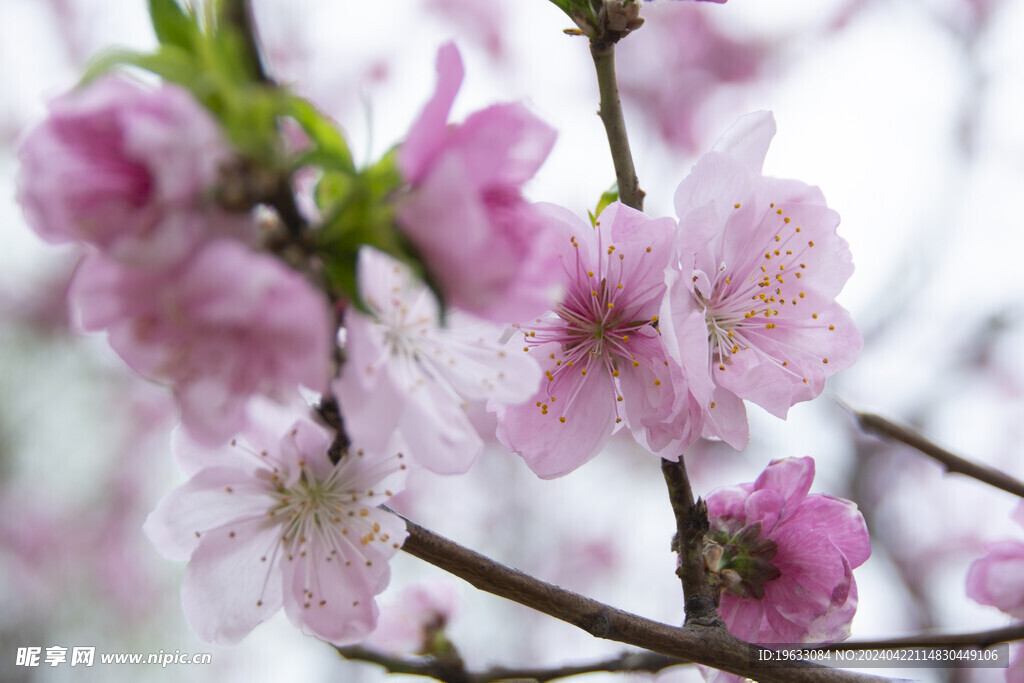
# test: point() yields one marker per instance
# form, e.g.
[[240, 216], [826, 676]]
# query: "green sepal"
[[173, 24], [359, 210], [169, 62]]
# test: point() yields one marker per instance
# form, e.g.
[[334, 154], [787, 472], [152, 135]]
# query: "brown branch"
[[879, 426], [691, 526], [453, 671], [615, 125], [710, 646], [980, 639]]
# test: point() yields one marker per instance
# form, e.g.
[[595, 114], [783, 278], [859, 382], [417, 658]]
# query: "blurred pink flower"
[[271, 522], [753, 314], [997, 579], [682, 64], [411, 624], [488, 249], [600, 349], [405, 372], [786, 558], [227, 324], [123, 167], [483, 22]]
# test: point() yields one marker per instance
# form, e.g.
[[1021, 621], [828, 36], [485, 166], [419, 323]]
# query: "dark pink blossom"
[[219, 328], [125, 168], [753, 314], [270, 522], [489, 250], [604, 361], [784, 559]]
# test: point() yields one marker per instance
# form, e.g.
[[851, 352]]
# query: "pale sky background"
[[872, 113]]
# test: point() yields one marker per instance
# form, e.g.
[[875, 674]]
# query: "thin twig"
[[980, 639], [691, 526], [710, 646], [879, 426], [615, 125]]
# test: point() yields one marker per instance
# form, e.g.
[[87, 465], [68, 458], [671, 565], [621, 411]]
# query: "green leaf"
[[173, 24], [330, 149], [562, 5], [607, 197]]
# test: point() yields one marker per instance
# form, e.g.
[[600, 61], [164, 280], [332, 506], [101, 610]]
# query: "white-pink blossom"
[[752, 314], [269, 521], [225, 325], [406, 372]]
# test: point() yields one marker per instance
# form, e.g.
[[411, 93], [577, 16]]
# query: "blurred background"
[[906, 112]]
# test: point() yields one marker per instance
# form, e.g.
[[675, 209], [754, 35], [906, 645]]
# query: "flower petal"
[[233, 582]]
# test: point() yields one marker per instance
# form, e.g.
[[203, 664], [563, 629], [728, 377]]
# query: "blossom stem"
[[879, 426], [691, 526], [709, 645], [630, 193], [238, 14]]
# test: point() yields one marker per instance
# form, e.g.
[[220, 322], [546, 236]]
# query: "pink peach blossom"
[[786, 563], [271, 522], [410, 623], [406, 372], [600, 350], [752, 314], [125, 168], [997, 579], [487, 248], [684, 66], [225, 325]]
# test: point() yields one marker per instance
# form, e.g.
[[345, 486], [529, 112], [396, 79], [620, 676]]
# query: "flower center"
[[745, 298], [598, 327], [738, 560]]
